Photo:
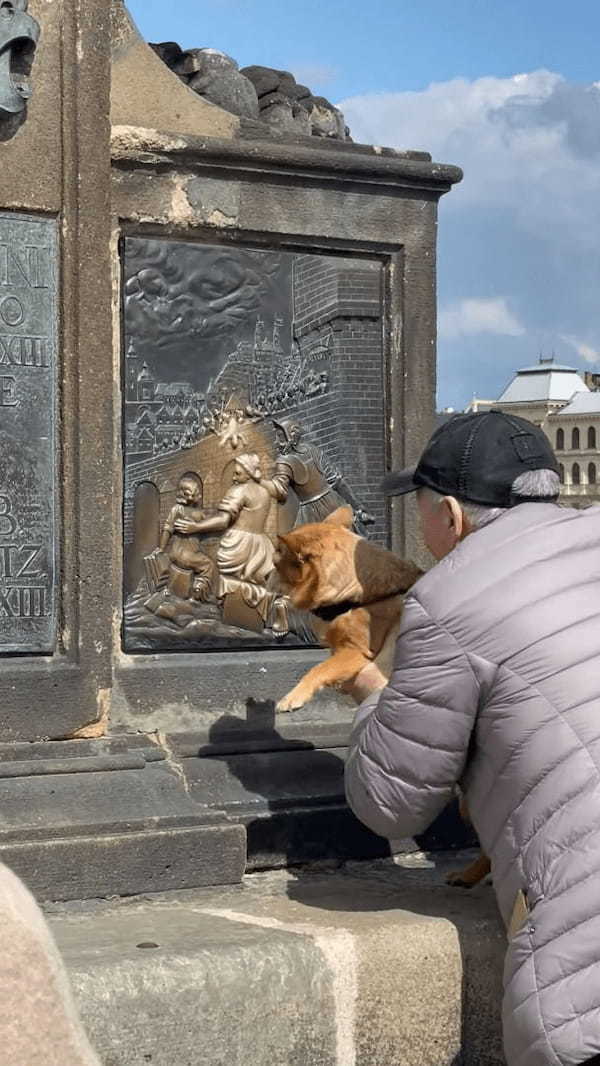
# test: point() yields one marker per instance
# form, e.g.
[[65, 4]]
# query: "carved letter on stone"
[[19, 34]]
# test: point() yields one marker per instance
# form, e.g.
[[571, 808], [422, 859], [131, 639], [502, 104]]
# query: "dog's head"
[[325, 563]]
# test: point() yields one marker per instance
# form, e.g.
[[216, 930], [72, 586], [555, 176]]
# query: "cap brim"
[[399, 482]]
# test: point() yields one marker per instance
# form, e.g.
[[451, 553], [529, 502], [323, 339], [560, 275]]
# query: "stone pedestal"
[[121, 771]]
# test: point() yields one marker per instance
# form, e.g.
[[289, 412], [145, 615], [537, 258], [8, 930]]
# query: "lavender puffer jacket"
[[496, 685]]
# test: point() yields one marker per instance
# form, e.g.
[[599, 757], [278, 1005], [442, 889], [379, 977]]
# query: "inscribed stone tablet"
[[28, 302]]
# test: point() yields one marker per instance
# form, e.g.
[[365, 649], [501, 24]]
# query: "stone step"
[[371, 964]]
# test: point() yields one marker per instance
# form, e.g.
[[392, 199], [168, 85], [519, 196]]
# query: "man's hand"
[[370, 679], [185, 525]]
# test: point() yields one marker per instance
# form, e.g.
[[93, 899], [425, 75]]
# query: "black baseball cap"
[[477, 457]]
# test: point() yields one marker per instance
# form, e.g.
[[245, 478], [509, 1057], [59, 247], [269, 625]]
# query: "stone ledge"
[[311, 157], [374, 963]]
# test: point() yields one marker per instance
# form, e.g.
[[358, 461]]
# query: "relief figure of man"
[[182, 546], [245, 553]]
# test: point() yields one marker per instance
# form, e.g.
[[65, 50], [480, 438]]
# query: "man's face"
[[441, 522], [240, 476]]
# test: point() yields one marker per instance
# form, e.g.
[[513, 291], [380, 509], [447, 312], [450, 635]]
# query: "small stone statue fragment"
[[255, 92], [19, 34]]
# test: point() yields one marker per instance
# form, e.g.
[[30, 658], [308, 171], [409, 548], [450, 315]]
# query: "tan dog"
[[353, 588], [478, 869]]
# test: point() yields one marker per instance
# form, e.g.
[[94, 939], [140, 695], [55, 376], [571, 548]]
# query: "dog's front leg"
[[472, 874], [342, 666]]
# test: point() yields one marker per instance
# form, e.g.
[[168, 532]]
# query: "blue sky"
[[506, 90]]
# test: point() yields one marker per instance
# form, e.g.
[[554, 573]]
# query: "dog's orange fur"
[[326, 563], [475, 871]]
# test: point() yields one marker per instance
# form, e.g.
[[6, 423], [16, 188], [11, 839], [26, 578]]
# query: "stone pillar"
[[124, 772], [56, 171]]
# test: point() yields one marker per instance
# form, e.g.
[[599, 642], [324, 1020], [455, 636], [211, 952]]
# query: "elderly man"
[[496, 686]]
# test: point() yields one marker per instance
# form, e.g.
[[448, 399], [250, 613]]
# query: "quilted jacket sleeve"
[[410, 740]]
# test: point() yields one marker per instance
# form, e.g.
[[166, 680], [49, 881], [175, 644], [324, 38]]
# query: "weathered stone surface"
[[279, 114], [284, 105], [326, 120], [169, 51], [208, 60], [110, 864], [226, 88], [146, 95], [378, 963], [88, 818], [212, 75], [264, 79], [255, 91]]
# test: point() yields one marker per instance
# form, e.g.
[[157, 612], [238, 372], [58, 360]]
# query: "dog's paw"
[[457, 879], [291, 702]]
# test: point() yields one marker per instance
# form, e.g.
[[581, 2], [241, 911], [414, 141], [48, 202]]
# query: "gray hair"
[[536, 484]]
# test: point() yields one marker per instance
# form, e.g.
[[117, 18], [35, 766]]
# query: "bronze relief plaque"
[[253, 402], [28, 374]]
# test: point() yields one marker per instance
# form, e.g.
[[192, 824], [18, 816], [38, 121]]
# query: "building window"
[[561, 473], [592, 473], [576, 474], [560, 439], [575, 439], [592, 437]]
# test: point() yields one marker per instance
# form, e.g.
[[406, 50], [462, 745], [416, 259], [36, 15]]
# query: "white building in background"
[[558, 399], [574, 432], [536, 392]]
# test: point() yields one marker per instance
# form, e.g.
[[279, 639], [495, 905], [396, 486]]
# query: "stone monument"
[[217, 321]]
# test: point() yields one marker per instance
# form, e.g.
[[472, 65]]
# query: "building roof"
[[545, 381], [582, 403], [174, 388], [544, 366]]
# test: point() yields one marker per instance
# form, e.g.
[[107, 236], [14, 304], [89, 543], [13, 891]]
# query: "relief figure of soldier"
[[319, 486]]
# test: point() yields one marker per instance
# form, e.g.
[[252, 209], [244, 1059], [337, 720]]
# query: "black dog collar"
[[333, 610]]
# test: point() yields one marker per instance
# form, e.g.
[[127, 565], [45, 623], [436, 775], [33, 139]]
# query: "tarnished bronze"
[[237, 393]]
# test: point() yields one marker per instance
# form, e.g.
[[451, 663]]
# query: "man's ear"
[[455, 517], [342, 516]]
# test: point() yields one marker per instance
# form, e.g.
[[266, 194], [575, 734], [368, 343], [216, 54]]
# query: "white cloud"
[[591, 355], [471, 317], [525, 218], [530, 142]]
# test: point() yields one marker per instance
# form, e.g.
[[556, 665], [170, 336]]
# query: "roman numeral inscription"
[[28, 376]]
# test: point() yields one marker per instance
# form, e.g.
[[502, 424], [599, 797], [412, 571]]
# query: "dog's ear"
[[342, 516], [293, 545]]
